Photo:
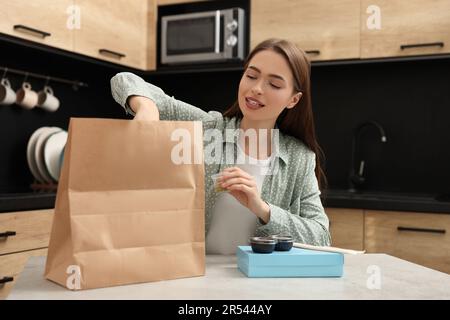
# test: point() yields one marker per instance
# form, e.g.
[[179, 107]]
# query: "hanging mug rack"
[[75, 84]]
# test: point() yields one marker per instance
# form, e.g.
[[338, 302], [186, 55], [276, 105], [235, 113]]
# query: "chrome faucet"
[[357, 179]]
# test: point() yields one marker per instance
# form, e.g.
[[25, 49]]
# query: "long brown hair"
[[299, 120]]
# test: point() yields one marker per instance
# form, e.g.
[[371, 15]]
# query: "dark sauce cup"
[[262, 244], [283, 242]]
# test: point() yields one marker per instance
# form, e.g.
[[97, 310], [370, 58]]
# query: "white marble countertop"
[[399, 279]]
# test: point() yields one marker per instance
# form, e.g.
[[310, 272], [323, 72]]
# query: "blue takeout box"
[[294, 263]]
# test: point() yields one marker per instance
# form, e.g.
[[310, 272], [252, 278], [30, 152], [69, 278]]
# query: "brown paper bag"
[[125, 212]]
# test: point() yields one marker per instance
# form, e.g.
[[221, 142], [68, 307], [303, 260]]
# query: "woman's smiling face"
[[267, 87]]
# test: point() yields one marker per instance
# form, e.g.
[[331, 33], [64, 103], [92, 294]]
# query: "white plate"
[[52, 153], [30, 154], [39, 152]]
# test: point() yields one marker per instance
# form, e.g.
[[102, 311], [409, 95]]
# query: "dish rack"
[[39, 187]]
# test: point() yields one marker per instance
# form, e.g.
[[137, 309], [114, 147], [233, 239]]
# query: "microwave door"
[[196, 37]]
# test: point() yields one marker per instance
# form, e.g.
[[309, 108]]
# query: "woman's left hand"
[[243, 187]]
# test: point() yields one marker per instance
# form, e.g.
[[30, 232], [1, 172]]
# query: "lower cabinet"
[[346, 228], [421, 238], [11, 265], [22, 235]]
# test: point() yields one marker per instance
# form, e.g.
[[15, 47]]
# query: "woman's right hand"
[[144, 108]]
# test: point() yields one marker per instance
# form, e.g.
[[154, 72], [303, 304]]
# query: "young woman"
[[274, 93]]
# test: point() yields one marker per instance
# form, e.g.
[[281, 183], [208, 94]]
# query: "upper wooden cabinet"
[[113, 30], [401, 28], [152, 27], [124, 32], [326, 30], [43, 21]]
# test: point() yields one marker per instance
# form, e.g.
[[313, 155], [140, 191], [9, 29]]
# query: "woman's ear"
[[295, 99]]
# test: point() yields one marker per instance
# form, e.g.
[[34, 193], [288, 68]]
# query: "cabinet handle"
[[7, 234], [418, 45], [6, 279], [312, 51], [21, 27], [109, 52], [421, 230]]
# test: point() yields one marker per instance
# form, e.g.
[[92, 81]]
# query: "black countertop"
[[388, 201], [11, 202]]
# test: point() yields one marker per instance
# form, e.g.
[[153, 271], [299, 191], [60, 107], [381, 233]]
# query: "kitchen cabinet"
[[346, 228], [326, 30], [125, 32], [42, 21], [421, 238], [22, 235], [114, 30], [11, 265], [415, 27], [152, 27], [31, 228]]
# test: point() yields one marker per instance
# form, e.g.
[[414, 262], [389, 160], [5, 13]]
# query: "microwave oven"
[[211, 36]]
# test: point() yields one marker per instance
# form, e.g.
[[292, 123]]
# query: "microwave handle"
[[217, 30]]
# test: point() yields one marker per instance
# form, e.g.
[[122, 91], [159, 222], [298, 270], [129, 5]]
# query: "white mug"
[[26, 97], [47, 100], [7, 94]]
